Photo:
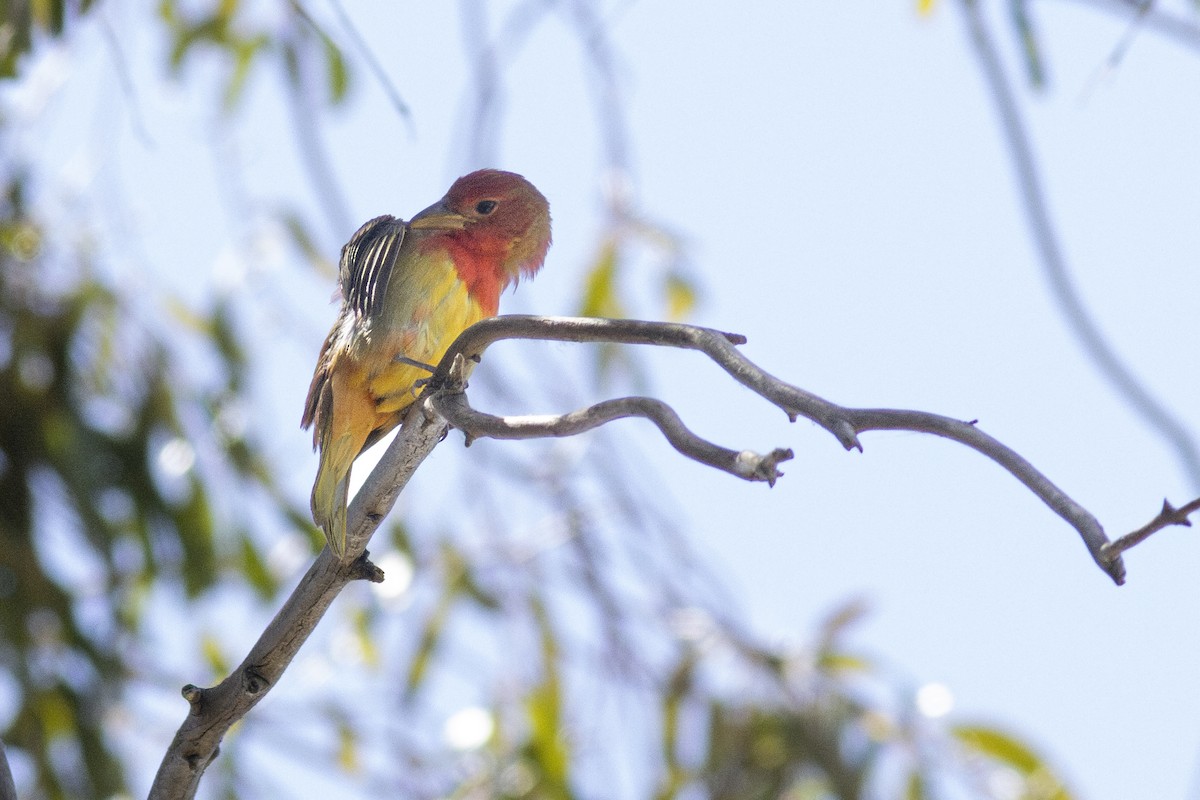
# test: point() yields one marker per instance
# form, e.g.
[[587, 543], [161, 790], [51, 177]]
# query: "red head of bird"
[[496, 226]]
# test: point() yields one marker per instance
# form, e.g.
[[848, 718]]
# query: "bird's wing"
[[364, 273], [367, 261]]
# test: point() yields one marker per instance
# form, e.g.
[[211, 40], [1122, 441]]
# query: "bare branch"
[[215, 710], [1168, 516], [845, 424], [1054, 263], [476, 424]]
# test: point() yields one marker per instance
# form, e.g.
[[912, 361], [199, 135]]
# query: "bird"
[[408, 290]]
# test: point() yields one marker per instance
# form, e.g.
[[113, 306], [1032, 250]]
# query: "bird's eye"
[[485, 206]]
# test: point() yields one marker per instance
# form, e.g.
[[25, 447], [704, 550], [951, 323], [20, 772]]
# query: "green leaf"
[[347, 756], [211, 648], [915, 790], [600, 288], [337, 75], [1003, 748], [543, 705], [362, 618], [244, 51], [681, 297], [254, 569], [196, 533], [998, 746], [431, 636]]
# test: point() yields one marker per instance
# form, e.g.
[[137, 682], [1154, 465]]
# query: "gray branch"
[[214, 710], [745, 464], [845, 424]]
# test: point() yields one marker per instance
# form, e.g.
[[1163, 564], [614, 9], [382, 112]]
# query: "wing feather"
[[367, 261]]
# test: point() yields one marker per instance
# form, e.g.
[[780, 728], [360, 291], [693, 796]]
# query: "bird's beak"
[[439, 216]]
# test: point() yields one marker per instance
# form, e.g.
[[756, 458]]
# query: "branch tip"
[[193, 694], [755, 467], [846, 433]]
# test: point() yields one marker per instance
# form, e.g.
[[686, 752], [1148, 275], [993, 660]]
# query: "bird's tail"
[[329, 498]]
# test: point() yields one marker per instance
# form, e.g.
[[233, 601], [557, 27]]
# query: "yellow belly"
[[432, 327]]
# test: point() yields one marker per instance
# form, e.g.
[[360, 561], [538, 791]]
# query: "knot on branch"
[[254, 682]]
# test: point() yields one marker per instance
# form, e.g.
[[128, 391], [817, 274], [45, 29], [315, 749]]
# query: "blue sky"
[[838, 176]]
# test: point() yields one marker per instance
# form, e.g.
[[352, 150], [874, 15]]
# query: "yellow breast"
[[433, 322]]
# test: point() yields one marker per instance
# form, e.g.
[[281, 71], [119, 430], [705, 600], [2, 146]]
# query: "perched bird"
[[408, 289]]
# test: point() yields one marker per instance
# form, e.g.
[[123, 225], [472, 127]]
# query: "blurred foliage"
[[22, 21], [96, 469], [121, 478]]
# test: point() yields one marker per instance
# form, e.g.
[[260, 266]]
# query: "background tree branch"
[[1054, 264]]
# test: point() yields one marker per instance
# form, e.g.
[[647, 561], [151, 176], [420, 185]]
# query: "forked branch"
[[845, 424], [213, 711]]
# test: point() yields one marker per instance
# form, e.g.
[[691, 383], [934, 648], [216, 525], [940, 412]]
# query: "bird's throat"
[[479, 261]]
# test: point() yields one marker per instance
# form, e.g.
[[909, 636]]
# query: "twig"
[[845, 424], [1178, 29], [476, 424], [1168, 516], [215, 710], [368, 55], [1054, 264]]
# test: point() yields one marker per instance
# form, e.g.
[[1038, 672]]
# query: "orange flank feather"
[[408, 290]]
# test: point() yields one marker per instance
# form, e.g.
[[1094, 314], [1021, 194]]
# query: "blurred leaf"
[[254, 569], [679, 686], [543, 705], [211, 648], [361, 618], [915, 790], [833, 661], [1001, 747], [298, 229], [194, 523], [244, 52], [56, 716], [348, 757], [998, 746], [681, 297], [337, 73], [926, 7], [431, 635], [223, 335], [400, 538], [302, 522], [600, 290]]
